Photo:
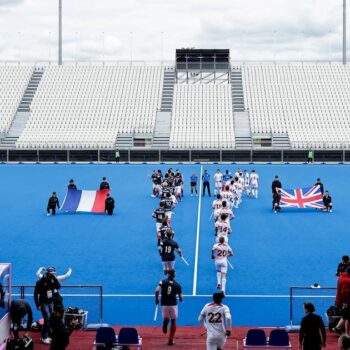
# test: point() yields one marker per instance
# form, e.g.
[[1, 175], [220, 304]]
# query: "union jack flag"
[[308, 197]]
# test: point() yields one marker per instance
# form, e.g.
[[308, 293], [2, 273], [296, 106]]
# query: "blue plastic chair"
[[279, 337], [105, 335], [129, 336], [255, 337]]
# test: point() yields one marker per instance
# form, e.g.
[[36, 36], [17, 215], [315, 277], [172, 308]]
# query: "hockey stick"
[[185, 261], [155, 313], [211, 216], [230, 264], [201, 335]]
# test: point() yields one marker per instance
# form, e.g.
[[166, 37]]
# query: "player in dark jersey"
[[72, 185], [156, 179], [167, 249], [169, 289], [160, 215], [161, 234]]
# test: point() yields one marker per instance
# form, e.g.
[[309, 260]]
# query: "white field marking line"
[[191, 295], [194, 292]]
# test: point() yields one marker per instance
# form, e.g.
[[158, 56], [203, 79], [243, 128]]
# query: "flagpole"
[[344, 32]]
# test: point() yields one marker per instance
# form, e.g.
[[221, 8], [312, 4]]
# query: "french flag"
[[85, 201]]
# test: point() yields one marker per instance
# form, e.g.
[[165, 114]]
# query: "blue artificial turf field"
[[272, 252]]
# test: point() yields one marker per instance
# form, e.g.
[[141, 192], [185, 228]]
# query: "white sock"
[[218, 277], [223, 287], [256, 193]]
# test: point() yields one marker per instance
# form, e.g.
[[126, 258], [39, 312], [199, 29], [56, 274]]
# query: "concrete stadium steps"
[[237, 90], [243, 136], [168, 90], [161, 134], [124, 140], [23, 111], [281, 141]]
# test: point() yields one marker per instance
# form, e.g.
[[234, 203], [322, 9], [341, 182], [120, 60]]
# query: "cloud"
[[252, 29]]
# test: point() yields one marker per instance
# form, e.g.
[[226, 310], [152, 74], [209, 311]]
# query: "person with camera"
[[60, 332], [45, 292], [20, 308]]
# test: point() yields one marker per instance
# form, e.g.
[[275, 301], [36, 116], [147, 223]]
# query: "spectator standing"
[[193, 181], [72, 185], [310, 156], [343, 265], [19, 308], [212, 318], [52, 204], [170, 290], [276, 183], [117, 156], [104, 185], [206, 182], [45, 290], [312, 335], [342, 300], [109, 204]]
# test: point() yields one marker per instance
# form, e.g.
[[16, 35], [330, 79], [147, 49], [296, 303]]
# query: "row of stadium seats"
[[13, 82], [309, 102], [79, 104], [202, 117]]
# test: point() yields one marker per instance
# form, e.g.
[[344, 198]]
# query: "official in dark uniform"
[[319, 183], [170, 290], [109, 205], [167, 250], [206, 182], [52, 204], [327, 202], [20, 308], [312, 335], [276, 183], [72, 185], [276, 202], [104, 185]]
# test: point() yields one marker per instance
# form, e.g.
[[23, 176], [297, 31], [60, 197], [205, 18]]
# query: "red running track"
[[187, 338]]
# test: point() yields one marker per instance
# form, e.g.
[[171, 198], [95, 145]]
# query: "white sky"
[[252, 29]]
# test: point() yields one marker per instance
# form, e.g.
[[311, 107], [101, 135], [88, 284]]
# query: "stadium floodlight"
[[344, 31], [60, 32]]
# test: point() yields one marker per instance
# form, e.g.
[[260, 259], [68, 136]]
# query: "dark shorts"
[[193, 183]]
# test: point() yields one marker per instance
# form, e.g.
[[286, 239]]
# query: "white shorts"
[[218, 185], [169, 215], [177, 190], [215, 343], [254, 186], [221, 267], [158, 226], [170, 312], [167, 265]]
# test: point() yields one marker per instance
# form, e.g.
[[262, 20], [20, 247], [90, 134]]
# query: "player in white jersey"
[[222, 228], [227, 196], [237, 172], [220, 252], [240, 187], [218, 177], [212, 318], [246, 182], [217, 205], [227, 211], [254, 183]]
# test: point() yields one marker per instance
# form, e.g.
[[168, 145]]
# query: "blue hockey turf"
[[271, 252]]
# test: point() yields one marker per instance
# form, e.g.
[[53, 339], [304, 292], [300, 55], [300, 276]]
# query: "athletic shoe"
[[45, 341], [171, 342], [48, 214], [152, 195], [191, 195], [275, 211], [330, 211], [218, 286]]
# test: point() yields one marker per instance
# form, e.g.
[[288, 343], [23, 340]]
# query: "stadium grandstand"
[[198, 104]]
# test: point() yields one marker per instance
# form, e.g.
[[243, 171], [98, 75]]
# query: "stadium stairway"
[[237, 90], [280, 141], [124, 141], [168, 90], [23, 111], [187, 338], [243, 135]]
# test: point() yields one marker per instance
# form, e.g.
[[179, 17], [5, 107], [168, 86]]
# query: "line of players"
[[169, 188], [229, 194]]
